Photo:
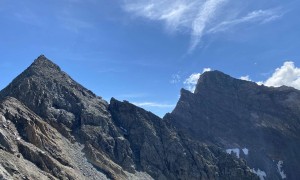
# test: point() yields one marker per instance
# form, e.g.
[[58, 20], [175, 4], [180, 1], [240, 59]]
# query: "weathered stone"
[[233, 113], [159, 150]]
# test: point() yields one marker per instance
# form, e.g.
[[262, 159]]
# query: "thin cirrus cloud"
[[74, 24], [28, 16], [175, 79], [260, 16], [197, 17]]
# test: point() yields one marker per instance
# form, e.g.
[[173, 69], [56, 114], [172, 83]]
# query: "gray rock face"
[[159, 150], [232, 113], [32, 149], [77, 113], [54, 96], [64, 131]]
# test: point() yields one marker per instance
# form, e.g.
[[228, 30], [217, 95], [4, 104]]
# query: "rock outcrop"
[[159, 150], [53, 128], [260, 124], [75, 112], [32, 149]]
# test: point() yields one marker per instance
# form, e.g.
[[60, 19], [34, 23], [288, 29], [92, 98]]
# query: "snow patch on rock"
[[280, 170], [245, 151], [121, 138], [235, 150], [3, 119], [261, 174]]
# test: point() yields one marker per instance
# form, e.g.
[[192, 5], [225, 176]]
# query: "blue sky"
[[146, 51]]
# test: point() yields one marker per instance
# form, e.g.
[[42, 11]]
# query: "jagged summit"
[[41, 72], [42, 62], [213, 76], [219, 80], [41, 57], [51, 93], [46, 69], [214, 73], [44, 72], [234, 113]]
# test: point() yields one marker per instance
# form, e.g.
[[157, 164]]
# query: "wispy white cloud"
[[197, 17], [260, 16], [169, 12], [28, 16], [75, 24], [178, 15], [191, 82], [206, 13], [69, 17], [175, 79], [153, 104]]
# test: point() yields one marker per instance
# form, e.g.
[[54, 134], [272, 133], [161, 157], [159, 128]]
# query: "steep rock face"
[[32, 149], [53, 95], [236, 114], [36, 150], [73, 110], [67, 106], [159, 150]]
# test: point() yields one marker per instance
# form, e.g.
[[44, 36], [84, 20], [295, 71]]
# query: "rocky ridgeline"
[[257, 123], [53, 128]]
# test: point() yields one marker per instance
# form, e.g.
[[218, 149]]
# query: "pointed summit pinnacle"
[[43, 63], [41, 58]]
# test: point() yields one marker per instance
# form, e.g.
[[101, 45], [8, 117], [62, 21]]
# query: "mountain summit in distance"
[[51, 127], [259, 124]]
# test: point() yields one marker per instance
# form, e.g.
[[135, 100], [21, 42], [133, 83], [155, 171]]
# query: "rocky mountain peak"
[[43, 62], [217, 80], [215, 74], [237, 114], [44, 111], [42, 66], [55, 96], [41, 74]]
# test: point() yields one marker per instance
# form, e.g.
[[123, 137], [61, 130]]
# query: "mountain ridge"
[[237, 114], [46, 108]]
